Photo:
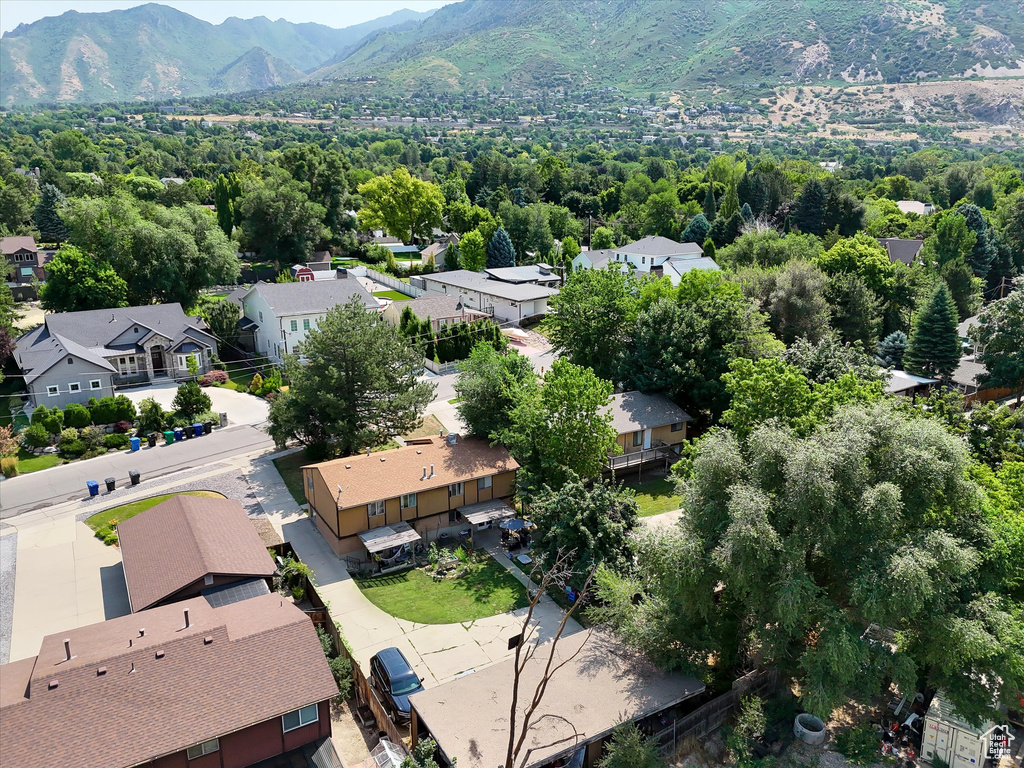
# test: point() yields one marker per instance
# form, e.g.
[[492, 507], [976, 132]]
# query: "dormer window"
[[136, 330]]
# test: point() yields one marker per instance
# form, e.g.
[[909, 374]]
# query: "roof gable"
[[313, 297], [655, 245], [633, 411]]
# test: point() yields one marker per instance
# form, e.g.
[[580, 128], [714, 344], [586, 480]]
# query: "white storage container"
[[951, 739]]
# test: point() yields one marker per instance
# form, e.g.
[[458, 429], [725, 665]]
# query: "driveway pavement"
[[438, 652], [39, 490], [241, 407]]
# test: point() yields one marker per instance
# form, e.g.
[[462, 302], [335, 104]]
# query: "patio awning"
[[486, 511], [388, 537]]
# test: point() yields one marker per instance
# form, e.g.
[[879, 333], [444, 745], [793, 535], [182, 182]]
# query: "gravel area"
[[8, 560]]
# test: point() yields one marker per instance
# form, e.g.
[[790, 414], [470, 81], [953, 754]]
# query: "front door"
[[157, 354]]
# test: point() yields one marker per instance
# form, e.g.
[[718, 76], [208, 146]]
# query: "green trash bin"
[[169, 437]]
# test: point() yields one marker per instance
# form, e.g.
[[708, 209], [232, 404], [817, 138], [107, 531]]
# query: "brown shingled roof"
[[181, 540], [264, 660], [387, 474]]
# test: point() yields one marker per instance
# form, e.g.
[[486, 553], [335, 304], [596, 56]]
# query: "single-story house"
[[899, 249], [908, 385], [382, 500], [278, 315], [598, 684], [653, 254], [181, 685], [507, 302], [441, 310], [649, 427], [23, 259], [192, 545], [535, 274], [73, 356], [914, 206]]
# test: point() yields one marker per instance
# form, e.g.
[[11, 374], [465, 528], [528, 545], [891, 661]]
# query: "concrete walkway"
[[662, 521], [438, 652]]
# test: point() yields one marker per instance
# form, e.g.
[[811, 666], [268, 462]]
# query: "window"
[[74, 387], [294, 325], [183, 361], [95, 384], [127, 365], [261, 317], [643, 259], [677, 427], [483, 483], [71, 361], [456, 489], [300, 717], [376, 508], [305, 324], [638, 438], [408, 500], [206, 748], [52, 391]]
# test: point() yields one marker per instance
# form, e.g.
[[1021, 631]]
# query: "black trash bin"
[[135, 477], [151, 438], [111, 483], [207, 427]]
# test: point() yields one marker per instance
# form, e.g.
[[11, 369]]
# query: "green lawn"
[[486, 590], [393, 295], [655, 496], [290, 467], [27, 462], [104, 523], [241, 373]]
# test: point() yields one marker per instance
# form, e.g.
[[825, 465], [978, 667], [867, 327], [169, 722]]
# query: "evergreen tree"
[[730, 203], [746, 213], [891, 350], [933, 348], [697, 230], [500, 252], [48, 221], [724, 230], [452, 260], [518, 198], [709, 248], [809, 213], [984, 251], [710, 207]]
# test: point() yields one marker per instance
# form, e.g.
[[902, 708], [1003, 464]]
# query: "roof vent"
[[418, 452], [431, 470], [382, 459], [130, 671], [67, 650], [453, 438], [101, 672], [424, 476], [53, 684], [159, 654], [187, 622], [348, 466], [142, 632], [208, 639]]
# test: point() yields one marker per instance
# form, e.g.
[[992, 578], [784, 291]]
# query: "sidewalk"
[[438, 652]]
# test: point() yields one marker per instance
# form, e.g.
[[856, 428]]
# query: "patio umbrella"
[[513, 525]]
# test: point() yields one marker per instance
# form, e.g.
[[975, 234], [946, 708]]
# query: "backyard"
[[104, 523], [655, 495], [393, 295], [486, 589]]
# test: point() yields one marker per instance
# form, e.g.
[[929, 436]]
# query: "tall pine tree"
[[51, 226], [934, 346], [500, 252], [710, 207], [809, 213]]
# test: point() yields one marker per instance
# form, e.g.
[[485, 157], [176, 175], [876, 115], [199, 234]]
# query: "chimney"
[[67, 649], [187, 622], [142, 632], [431, 470], [341, 274]]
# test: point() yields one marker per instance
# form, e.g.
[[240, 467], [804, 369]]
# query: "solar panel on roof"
[[235, 593]]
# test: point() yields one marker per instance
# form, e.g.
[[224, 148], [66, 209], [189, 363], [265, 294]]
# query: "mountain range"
[[154, 52]]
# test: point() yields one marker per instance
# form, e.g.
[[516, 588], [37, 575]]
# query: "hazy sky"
[[333, 13]]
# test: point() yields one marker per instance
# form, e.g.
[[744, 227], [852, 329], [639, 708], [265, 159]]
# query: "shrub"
[[124, 409], [67, 435], [213, 377], [36, 436], [151, 416], [859, 744], [123, 427], [77, 415], [9, 466], [256, 384], [341, 668], [103, 411], [117, 441], [92, 437], [73, 448], [191, 400], [92, 453], [52, 419]]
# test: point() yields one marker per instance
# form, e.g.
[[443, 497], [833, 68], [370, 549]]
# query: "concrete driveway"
[[241, 407]]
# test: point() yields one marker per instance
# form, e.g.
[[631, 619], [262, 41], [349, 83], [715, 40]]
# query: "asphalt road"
[[67, 483]]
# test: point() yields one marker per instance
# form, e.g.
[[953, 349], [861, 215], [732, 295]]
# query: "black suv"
[[395, 681]]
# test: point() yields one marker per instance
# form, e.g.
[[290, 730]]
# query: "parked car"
[[395, 681]]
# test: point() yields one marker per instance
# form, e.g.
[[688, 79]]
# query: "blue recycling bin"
[[136, 443], [197, 430], [94, 487], [179, 434]]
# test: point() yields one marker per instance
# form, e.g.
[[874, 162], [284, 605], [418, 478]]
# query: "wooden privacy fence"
[[711, 716]]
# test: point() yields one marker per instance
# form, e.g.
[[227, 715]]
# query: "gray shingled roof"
[[901, 250], [314, 297], [633, 411], [655, 245], [16, 243], [473, 281], [969, 373], [529, 273], [435, 306], [964, 328], [598, 258], [682, 266]]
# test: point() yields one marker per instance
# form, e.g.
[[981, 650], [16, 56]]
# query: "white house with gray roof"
[[655, 255], [74, 356], [507, 302], [279, 315]]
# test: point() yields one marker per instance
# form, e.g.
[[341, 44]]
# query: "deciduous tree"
[[474, 251], [401, 205], [489, 386], [1000, 331], [77, 282]]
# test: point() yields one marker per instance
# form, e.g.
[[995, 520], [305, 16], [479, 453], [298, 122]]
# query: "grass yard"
[[290, 467], [104, 523], [393, 295], [485, 590], [430, 427], [655, 495], [28, 462], [241, 373]]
